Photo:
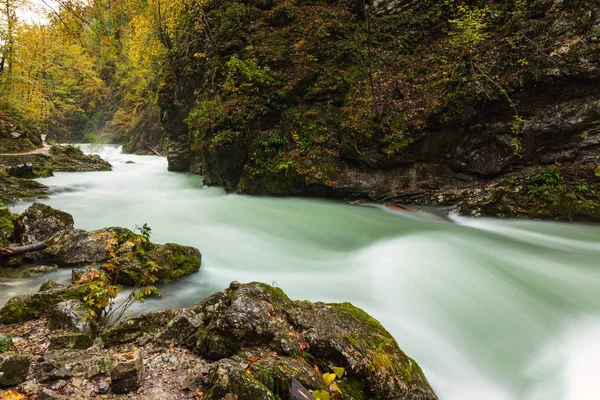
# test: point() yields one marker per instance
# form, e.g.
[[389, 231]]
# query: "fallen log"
[[152, 149], [6, 252]]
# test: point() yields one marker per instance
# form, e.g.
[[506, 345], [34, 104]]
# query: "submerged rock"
[[39, 222]]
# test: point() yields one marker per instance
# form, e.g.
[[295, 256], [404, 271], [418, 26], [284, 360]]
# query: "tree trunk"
[[7, 252]]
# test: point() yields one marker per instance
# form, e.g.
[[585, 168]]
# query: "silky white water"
[[490, 309]]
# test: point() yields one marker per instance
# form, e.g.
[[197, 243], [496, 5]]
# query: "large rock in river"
[[39, 222], [259, 328], [128, 257], [31, 306]]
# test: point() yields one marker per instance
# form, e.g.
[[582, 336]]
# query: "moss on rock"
[[31, 306]]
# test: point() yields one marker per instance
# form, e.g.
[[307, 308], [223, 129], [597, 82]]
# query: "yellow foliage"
[[11, 395]]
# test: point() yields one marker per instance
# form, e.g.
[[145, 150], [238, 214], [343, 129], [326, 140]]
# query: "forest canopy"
[[81, 68]]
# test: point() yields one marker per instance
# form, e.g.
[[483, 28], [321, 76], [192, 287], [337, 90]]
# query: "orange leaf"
[[11, 395]]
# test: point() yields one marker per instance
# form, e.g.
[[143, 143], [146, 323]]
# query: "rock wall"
[[384, 104]]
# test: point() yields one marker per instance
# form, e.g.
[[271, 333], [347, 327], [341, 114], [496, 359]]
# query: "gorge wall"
[[391, 101]]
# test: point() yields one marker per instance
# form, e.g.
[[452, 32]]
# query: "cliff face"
[[400, 100]]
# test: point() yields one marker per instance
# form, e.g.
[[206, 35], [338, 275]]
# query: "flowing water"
[[490, 309]]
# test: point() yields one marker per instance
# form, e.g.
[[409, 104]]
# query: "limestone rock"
[[13, 368], [30, 306], [64, 364], [50, 284], [125, 255], [341, 335], [228, 378], [75, 341], [182, 326], [127, 374], [133, 328], [48, 394], [39, 222], [79, 247], [69, 316]]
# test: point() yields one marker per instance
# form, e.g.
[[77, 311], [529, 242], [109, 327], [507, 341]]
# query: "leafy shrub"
[[332, 389], [246, 76], [6, 344], [470, 27], [548, 177]]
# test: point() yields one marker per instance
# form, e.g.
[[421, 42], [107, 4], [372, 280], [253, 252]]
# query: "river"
[[490, 309]]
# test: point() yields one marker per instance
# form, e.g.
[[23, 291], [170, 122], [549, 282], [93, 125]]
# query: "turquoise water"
[[490, 309]]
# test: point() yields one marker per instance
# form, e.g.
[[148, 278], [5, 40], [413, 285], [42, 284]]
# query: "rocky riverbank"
[[17, 171], [248, 342]]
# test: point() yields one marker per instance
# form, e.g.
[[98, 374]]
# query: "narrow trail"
[[42, 150]]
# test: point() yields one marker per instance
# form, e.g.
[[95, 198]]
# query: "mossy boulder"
[[39, 222], [79, 247], [31, 306], [228, 379], [16, 189], [128, 257], [335, 335], [74, 341], [133, 328], [145, 261], [257, 328], [13, 368], [6, 225]]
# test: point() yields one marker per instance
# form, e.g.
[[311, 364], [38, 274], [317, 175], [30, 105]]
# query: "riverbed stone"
[[13, 368], [80, 248], [39, 222], [67, 363], [229, 379], [70, 315], [340, 335], [50, 284], [129, 258], [76, 341], [31, 306], [127, 374]]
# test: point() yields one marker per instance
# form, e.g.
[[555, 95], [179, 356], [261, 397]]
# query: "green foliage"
[[331, 388], [549, 177], [246, 76], [6, 344], [469, 29], [100, 303], [597, 171], [145, 231]]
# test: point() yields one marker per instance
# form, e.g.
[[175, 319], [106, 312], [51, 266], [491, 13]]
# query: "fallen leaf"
[[11, 395]]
